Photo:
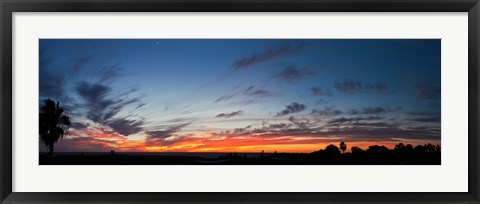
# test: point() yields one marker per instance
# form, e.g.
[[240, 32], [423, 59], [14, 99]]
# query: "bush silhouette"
[[52, 124]]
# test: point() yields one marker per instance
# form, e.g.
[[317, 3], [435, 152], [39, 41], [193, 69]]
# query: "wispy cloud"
[[428, 90], [326, 111], [225, 97], [79, 125], [292, 73], [303, 131], [301, 123], [431, 119], [244, 96], [228, 115], [424, 116], [103, 106], [159, 137], [318, 91], [257, 92], [126, 126], [96, 140], [352, 86], [292, 108], [267, 55], [53, 80], [100, 106], [375, 110], [109, 73], [343, 120]]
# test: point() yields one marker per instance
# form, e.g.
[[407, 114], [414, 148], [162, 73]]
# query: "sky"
[[242, 95]]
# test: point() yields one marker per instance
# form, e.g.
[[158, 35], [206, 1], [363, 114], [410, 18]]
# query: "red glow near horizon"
[[101, 141]]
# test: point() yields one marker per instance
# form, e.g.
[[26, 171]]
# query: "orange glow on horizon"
[[102, 141]]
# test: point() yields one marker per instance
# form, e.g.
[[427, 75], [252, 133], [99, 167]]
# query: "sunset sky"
[[225, 95]]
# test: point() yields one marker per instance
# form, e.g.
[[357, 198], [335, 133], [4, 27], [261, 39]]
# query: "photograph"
[[239, 101]]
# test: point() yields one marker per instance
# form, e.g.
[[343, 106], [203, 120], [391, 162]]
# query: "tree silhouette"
[[430, 148], [53, 124], [356, 149], [378, 149], [343, 147], [399, 147], [332, 150]]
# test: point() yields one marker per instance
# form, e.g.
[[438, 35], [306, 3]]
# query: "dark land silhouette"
[[401, 154]]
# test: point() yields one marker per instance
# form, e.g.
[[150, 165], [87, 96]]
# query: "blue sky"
[[242, 94]]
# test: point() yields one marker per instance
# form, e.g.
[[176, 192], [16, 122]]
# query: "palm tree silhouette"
[[53, 124], [343, 147]]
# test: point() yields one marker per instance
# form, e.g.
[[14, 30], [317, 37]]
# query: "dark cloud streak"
[[284, 50], [352, 86], [126, 126], [292, 108], [104, 110], [157, 137], [292, 74], [228, 115], [326, 111], [318, 91], [375, 110], [428, 90]]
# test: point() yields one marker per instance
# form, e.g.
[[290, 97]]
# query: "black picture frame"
[[7, 8]]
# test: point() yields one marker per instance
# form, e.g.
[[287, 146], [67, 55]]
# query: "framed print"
[[247, 123], [253, 102]]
